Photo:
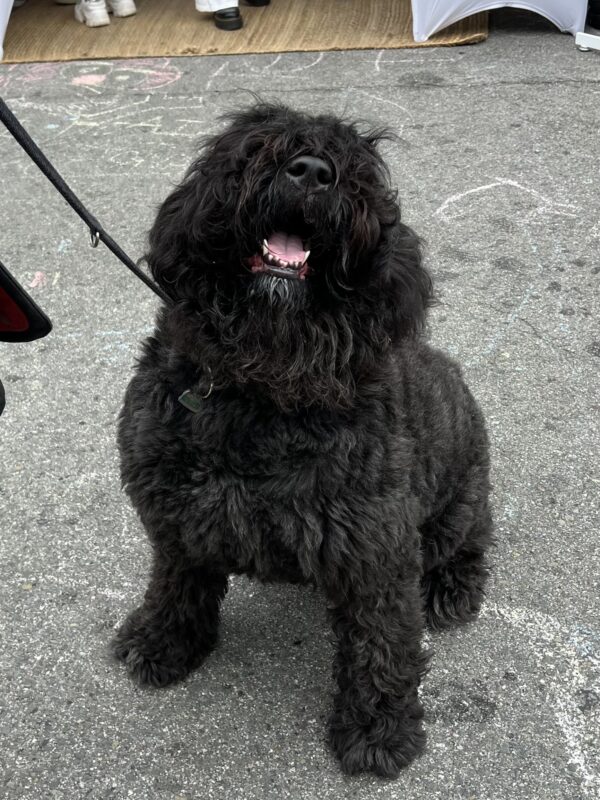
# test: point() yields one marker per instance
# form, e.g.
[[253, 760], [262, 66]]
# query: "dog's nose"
[[308, 172]]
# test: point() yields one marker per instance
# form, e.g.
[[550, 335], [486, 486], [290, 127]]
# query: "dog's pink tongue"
[[286, 246]]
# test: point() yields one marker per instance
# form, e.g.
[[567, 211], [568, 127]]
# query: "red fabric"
[[11, 317]]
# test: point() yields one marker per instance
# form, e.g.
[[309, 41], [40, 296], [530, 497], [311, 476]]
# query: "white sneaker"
[[122, 8], [93, 12]]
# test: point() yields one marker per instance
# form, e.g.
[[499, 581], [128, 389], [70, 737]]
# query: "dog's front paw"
[[454, 592], [153, 656], [384, 747]]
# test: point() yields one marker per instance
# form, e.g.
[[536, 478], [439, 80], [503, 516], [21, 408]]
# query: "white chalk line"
[[593, 233], [543, 628], [545, 204], [384, 100], [276, 60], [314, 63], [215, 74]]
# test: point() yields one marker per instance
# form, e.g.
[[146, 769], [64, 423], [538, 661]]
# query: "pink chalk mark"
[[39, 279], [40, 72], [157, 79], [154, 73], [88, 79]]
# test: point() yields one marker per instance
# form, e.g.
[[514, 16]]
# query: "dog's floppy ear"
[[189, 229], [171, 246], [403, 285]]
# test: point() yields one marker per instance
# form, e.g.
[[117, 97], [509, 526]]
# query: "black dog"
[[286, 421]]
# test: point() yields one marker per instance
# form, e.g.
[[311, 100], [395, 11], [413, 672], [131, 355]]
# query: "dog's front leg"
[[376, 611], [175, 628]]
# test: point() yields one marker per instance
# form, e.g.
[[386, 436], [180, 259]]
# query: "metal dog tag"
[[190, 401]]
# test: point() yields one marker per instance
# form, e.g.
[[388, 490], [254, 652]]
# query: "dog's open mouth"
[[283, 255]]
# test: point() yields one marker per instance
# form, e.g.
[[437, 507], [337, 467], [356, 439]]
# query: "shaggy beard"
[[271, 340]]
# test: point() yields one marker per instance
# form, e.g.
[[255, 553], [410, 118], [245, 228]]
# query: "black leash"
[[97, 232]]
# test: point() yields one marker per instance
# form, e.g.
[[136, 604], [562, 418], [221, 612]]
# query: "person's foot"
[[93, 12], [65, 2], [257, 3], [121, 8], [228, 19]]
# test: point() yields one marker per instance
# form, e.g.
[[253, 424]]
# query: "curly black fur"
[[335, 448]]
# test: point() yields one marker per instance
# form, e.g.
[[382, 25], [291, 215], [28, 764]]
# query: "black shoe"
[[256, 3], [594, 14], [228, 19]]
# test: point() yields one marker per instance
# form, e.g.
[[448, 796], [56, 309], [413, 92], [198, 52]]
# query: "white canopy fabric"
[[430, 16], [5, 9]]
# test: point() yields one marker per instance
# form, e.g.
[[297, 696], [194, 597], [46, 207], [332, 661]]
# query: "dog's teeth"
[[265, 247], [306, 255]]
